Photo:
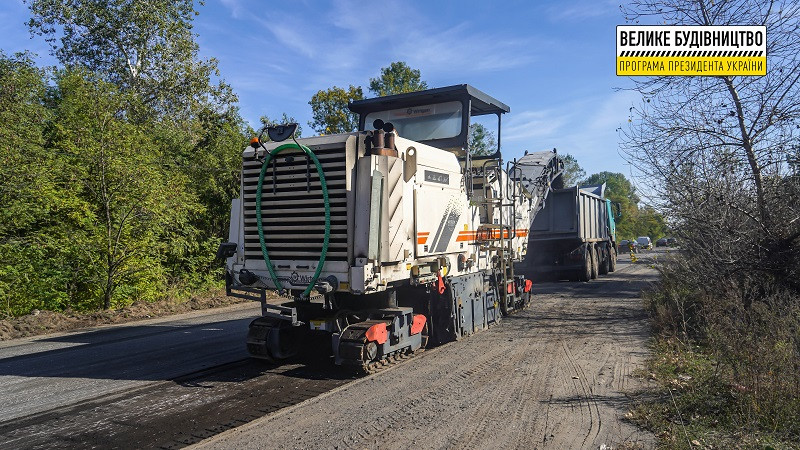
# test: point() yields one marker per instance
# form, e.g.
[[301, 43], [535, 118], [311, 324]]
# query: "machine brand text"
[[437, 177]]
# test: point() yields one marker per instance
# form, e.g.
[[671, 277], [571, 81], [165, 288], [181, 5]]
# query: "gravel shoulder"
[[557, 375]]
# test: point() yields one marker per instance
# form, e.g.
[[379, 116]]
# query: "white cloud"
[[344, 47], [292, 34], [583, 127], [614, 110], [534, 124], [582, 10], [235, 7], [462, 50]]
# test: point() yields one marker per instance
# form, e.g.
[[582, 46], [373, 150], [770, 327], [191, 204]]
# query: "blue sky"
[[551, 62]]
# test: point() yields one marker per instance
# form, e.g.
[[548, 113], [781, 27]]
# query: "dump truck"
[[383, 241], [573, 236]]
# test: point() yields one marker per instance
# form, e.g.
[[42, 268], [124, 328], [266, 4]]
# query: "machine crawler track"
[[368, 368]]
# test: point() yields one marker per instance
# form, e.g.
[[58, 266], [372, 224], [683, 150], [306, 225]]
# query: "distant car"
[[662, 242], [626, 246], [644, 242], [672, 242]]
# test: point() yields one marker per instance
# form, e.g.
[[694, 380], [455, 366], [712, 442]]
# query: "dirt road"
[[557, 375]]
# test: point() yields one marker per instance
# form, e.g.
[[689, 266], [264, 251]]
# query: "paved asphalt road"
[[48, 372]]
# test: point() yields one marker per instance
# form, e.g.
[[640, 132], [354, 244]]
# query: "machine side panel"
[[441, 212], [393, 236]]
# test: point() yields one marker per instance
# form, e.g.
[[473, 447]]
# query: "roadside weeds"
[[725, 375]]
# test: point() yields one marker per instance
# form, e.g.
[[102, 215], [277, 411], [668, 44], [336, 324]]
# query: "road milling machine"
[[385, 240]]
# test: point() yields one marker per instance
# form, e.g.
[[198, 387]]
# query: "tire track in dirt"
[[487, 403], [595, 421], [394, 415]]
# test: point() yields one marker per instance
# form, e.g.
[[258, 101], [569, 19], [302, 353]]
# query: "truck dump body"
[[572, 236], [571, 213]]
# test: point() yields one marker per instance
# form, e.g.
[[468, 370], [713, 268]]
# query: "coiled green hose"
[[264, 252]]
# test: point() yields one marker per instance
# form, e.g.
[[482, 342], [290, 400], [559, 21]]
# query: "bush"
[[676, 307], [759, 348], [728, 351]]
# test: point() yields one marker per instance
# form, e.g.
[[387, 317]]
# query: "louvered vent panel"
[[292, 209]]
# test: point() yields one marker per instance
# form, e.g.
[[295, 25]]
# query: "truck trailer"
[[573, 236], [384, 240]]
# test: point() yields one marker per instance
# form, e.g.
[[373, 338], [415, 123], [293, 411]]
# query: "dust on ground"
[[46, 322], [556, 375]]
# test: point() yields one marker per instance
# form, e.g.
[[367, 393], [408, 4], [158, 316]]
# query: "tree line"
[[106, 195]]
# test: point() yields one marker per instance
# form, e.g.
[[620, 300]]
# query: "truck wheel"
[[612, 262], [595, 267], [585, 273], [604, 266]]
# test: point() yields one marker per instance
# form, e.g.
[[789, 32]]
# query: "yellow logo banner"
[[644, 50]]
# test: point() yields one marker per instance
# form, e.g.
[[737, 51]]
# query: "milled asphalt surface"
[[46, 372], [164, 383]]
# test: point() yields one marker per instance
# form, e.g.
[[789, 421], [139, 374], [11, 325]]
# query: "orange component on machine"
[[377, 333], [440, 283], [510, 288], [528, 285], [488, 234], [418, 324], [422, 237], [466, 235]]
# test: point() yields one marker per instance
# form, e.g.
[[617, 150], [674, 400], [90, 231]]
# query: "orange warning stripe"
[[466, 236], [472, 235]]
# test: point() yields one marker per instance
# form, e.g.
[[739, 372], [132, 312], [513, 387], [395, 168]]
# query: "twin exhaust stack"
[[382, 139]]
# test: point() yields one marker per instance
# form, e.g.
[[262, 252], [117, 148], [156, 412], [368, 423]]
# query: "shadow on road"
[[182, 353]]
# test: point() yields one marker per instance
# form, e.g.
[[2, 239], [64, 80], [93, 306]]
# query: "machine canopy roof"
[[482, 103]]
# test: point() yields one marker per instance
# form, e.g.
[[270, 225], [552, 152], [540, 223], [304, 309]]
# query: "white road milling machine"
[[387, 240]]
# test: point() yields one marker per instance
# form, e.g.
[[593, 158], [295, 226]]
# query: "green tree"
[[329, 111], [149, 52], [132, 206], [147, 47], [398, 78], [24, 161], [209, 155], [650, 223], [481, 140], [573, 172], [36, 267]]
